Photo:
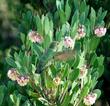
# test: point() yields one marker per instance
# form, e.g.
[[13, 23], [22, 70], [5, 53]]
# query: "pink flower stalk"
[[35, 37], [100, 31], [83, 72], [90, 99], [69, 42], [22, 80], [12, 74], [57, 80], [81, 32]]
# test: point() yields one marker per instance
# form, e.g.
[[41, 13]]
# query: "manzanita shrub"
[[57, 64]]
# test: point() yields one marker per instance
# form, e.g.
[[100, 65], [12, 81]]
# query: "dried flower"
[[83, 71], [22, 80], [49, 92], [12, 74], [35, 37], [81, 32], [69, 42], [90, 99], [57, 80], [100, 31]]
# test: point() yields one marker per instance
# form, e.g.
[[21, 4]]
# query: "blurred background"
[[12, 22]]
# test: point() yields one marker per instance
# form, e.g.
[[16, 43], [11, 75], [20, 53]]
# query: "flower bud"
[[83, 72], [57, 80], [90, 99], [100, 31], [81, 32], [69, 42], [22, 80], [35, 37], [12, 74]]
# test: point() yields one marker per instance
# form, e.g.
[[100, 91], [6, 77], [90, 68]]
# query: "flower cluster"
[[22, 80], [83, 72], [35, 37], [90, 99], [100, 31], [81, 32], [12, 74], [69, 42], [57, 80], [15, 76]]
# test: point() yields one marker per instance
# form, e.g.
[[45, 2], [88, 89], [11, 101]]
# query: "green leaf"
[[75, 18], [67, 10], [98, 92], [74, 29], [76, 4], [47, 41], [11, 62], [92, 44], [92, 18], [2, 93], [84, 91], [65, 71], [58, 4], [27, 103], [37, 103], [51, 25], [66, 100], [93, 83], [86, 88], [16, 98], [58, 35], [22, 37], [49, 82], [47, 26], [62, 16], [76, 61], [18, 64], [53, 70], [82, 60], [39, 25], [93, 58], [99, 12], [83, 7], [87, 11], [75, 91], [32, 94], [65, 29], [100, 60], [82, 18], [27, 20], [100, 16], [74, 74], [37, 49], [100, 70], [88, 30], [11, 86]]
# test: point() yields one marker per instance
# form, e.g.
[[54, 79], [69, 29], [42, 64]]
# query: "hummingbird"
[[52, 54]]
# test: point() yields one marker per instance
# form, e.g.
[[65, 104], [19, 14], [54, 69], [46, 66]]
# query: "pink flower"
[[81, 32], [57, 80], [35, 37], [12, 74], [69, 42], [100, 31], [83, 72], [90, 99], [22, 80]]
